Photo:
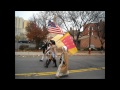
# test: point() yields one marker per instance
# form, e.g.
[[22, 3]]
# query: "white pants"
[[44, 56], [53, 55]]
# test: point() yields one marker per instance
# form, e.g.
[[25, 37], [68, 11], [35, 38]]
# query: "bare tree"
[[100, 28], [61, 18], [76, 19], [79, 18], [42, 18]]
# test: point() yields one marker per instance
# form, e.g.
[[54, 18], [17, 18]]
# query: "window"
[[88, 30], [92, 28]]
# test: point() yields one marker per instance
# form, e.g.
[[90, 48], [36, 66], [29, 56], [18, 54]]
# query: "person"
[[48, 51], [63, 66], [53, 53], [48, 54], [44, 48]]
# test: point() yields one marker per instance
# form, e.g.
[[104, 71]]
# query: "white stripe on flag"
[[56, 29]]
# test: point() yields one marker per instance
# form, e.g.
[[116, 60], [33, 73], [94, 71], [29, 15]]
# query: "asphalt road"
[[80, 67]]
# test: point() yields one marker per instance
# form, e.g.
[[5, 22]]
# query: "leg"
[[43, 56], [46, 57], [54, 60], [58, 72], [47, 63]]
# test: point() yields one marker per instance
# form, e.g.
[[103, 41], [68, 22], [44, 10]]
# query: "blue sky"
[[25, 14]]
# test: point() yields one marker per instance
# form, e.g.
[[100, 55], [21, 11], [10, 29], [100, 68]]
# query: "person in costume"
[[53, 53], [44, 48], [63, 66]]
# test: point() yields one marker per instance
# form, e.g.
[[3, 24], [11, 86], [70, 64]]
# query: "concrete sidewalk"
[[40, 53]]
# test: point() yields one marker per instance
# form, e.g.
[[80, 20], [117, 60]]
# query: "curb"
[[59, 55]]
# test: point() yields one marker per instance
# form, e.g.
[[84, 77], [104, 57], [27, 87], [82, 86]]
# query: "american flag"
[[52, 28], [52, 24]]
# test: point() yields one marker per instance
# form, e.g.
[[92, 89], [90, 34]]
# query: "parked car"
[[92, 47], [23, 41]]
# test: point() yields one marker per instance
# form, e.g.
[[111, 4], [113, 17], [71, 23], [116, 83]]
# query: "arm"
[[55, 50], [42, 46], [48, 49]]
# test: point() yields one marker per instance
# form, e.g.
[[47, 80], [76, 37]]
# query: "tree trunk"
[[77, 44]]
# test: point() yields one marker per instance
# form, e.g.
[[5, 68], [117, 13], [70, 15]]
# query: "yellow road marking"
[[53, 73]]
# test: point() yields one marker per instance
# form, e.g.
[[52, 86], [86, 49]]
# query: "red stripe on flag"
[[68, 41], [56, 29]]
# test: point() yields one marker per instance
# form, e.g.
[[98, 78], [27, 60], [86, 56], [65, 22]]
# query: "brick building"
[[95, 39]]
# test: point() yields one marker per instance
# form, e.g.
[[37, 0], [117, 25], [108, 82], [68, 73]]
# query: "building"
[[20, 25], [84, 42], [24, 29], [95, 38], [94, 28]]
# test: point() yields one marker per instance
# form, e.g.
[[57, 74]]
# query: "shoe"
[[47, 63], [41, 60]]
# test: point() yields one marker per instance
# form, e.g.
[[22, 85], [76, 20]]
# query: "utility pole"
[[89, 40]]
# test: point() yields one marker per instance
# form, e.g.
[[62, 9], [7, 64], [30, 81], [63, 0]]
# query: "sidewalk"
[[40, 53]]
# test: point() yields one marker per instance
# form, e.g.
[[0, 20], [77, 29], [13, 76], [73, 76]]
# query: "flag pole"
[[54, 19]]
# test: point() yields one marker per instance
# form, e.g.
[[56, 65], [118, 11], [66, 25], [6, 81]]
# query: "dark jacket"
[[53, 42], [44, 47]]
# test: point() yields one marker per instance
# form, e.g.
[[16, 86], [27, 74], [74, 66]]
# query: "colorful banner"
[[57, 40], [57, 37], [68, 41], [59, 44]]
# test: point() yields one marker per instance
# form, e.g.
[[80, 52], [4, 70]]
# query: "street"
[[80, 67]]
